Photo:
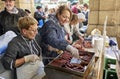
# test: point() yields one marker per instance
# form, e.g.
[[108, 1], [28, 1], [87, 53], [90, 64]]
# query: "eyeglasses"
[[33, 30]]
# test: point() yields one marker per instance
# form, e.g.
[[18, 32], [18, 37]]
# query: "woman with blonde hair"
[[23, 54]]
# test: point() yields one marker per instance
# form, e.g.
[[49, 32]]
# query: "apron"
[[31, 70]]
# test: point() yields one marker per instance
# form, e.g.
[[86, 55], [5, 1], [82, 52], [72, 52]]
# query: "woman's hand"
[[67, 39], [31, 58], [81, 38]]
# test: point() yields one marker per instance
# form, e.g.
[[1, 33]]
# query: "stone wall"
[[1, 5], [99, 9]]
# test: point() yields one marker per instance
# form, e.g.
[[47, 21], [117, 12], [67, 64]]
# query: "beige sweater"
[[73, 29]]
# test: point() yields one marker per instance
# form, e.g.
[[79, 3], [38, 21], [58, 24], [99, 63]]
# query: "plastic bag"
[[5, 39]]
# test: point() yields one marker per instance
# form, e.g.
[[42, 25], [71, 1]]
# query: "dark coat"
[[17, 48], [53, 34], [9, 21], [39, 16], [86, 17]]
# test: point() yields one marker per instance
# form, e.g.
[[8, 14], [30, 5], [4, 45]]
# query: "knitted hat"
[[81, 16]]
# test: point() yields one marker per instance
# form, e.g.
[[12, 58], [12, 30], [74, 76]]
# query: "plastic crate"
[[110, 74], [108, 62]]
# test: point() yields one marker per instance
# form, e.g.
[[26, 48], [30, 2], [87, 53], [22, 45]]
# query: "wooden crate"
[[64, 73]]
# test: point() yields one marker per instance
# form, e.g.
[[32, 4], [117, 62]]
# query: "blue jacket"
[[53, 34]]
